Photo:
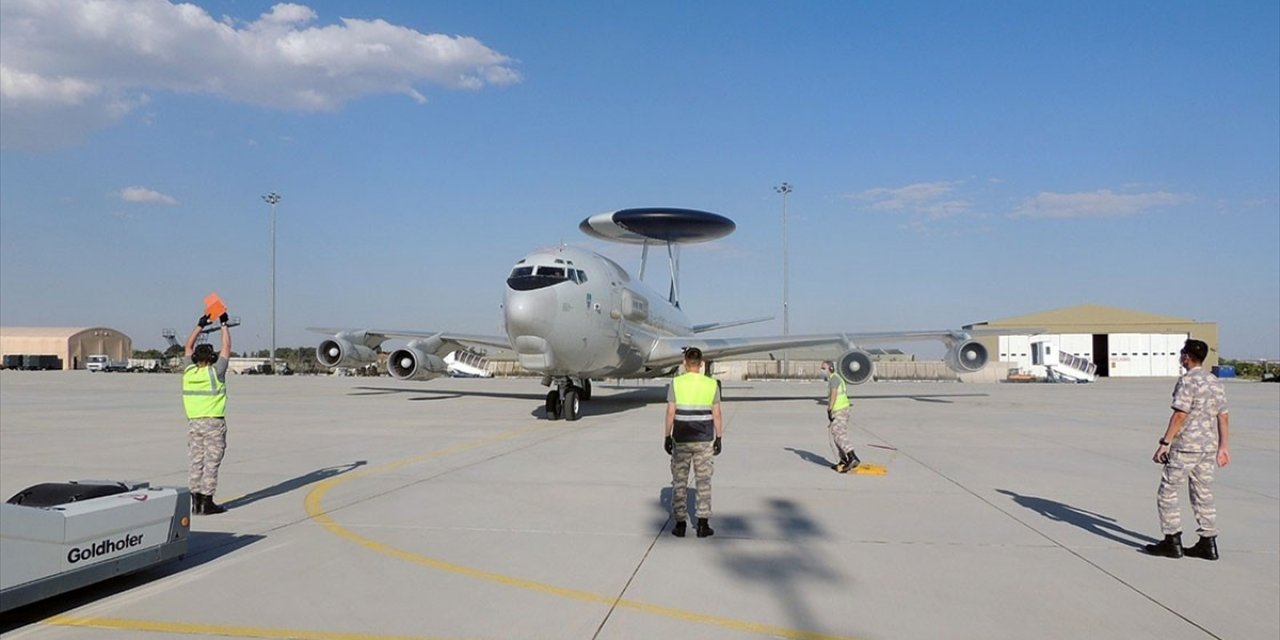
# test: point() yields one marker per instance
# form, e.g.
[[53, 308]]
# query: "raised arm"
[[190, 347], [225, 352]]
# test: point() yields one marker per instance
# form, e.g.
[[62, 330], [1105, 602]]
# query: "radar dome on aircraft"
[[661, 224]]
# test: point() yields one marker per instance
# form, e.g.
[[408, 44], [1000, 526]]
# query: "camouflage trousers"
[[699, 456], [839, 431], [1196, 468], [206, 445]]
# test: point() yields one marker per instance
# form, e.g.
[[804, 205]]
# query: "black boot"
[[197, 503], [1206, 548], [678, 530], [848, 462], [1170, 547], [851, 461], [704, 529], [212, 508]]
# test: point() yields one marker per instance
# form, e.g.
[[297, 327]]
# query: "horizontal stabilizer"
[[713, 326]]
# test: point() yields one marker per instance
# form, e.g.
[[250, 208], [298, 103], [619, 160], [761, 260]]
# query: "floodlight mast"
[[785, 189], [273, 199]]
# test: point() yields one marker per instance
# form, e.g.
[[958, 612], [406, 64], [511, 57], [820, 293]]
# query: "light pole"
[[785, 190], [272, 199]]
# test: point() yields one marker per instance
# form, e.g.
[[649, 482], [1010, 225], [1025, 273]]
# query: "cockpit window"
[[525, 279]]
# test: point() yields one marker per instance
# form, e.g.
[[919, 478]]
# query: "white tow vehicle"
[[56, 537], [103, 362]]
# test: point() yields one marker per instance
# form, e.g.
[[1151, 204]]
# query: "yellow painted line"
[[232, 631], [865, 469], [315, 508]]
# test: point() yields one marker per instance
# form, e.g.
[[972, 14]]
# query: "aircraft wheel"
[[571, 397], [553, 405], [586, 389]]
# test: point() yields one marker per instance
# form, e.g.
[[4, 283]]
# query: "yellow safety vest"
[[695, 396], [842, 398], [203, 395]]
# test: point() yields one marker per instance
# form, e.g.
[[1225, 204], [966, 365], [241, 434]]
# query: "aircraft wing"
[[669, 351], [491, 347]]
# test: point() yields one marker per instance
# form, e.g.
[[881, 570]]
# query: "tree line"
[[300, 359]]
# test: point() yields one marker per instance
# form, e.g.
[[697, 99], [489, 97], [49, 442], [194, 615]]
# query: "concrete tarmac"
[[365, 508]]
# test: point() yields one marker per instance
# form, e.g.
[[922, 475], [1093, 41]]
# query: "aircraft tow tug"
[[57, 537]]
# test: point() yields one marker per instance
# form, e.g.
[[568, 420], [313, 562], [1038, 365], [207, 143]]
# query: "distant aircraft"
[[574, 315]]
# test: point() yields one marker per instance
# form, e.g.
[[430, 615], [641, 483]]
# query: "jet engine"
[[411, 363], [855, 366], [967, 357], [347, 349]]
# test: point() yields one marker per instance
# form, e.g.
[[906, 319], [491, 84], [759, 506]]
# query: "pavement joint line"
[[314, 506], [631, 578], [1064, 547]]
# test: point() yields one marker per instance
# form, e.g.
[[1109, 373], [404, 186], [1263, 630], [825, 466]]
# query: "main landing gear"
[[565, 400]]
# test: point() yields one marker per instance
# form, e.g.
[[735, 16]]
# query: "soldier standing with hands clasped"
[[693, 431], [204, 396], [1194, 443]]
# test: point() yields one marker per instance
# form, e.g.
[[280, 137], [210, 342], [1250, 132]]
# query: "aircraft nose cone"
[[529, 313]]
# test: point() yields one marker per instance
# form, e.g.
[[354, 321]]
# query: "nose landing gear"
[[565, 400]]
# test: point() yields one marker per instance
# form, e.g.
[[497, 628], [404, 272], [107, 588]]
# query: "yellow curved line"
[[315, 509]]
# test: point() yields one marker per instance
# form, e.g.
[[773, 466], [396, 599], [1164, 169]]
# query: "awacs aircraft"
[[574, 315]]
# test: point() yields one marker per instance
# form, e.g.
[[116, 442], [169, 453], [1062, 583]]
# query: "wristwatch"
[[1163, 442]]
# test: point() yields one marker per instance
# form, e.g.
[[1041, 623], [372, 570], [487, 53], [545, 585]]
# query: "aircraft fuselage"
[[573, 312]]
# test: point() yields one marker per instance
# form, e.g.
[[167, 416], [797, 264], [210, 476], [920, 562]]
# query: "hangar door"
[[1144, 354], [1017, 349], [1126, 354]]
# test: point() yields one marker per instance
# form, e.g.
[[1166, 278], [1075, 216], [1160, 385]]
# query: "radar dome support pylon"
[[671, 226]]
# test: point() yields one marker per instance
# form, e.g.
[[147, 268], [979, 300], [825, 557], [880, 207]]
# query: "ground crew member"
[[693, 432], [838, 419], [1193, 444], [204, 396]]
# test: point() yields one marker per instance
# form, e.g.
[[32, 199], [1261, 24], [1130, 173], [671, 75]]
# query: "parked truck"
[[103, 362], [32, 362]]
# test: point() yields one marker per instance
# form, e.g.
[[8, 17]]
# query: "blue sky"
[[952, 162]]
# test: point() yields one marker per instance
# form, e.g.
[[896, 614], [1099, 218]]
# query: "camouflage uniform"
[[1193, 452], [694, 447], [839, 425], [207, 443], [699, 455]]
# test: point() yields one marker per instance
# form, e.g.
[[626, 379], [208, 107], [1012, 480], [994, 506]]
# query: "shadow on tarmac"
[[778, 564], [202, 547], [281, 488], [1097, 524], [809, 456]]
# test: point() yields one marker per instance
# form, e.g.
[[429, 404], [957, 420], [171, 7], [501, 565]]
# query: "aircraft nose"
[[529, 313]]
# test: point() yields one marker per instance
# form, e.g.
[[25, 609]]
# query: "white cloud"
[[71, 66], [910, 197], [927, 200], [145, 195], [1097, 204]]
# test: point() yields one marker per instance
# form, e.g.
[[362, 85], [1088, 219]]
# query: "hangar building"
[[72, 344], [1120, 342]]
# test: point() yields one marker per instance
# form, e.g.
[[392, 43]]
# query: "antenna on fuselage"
[[672, 226], [673, 255]]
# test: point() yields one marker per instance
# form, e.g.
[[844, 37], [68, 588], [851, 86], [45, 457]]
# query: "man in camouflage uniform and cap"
[[204, 397], [1194, 443], [693, 432]]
